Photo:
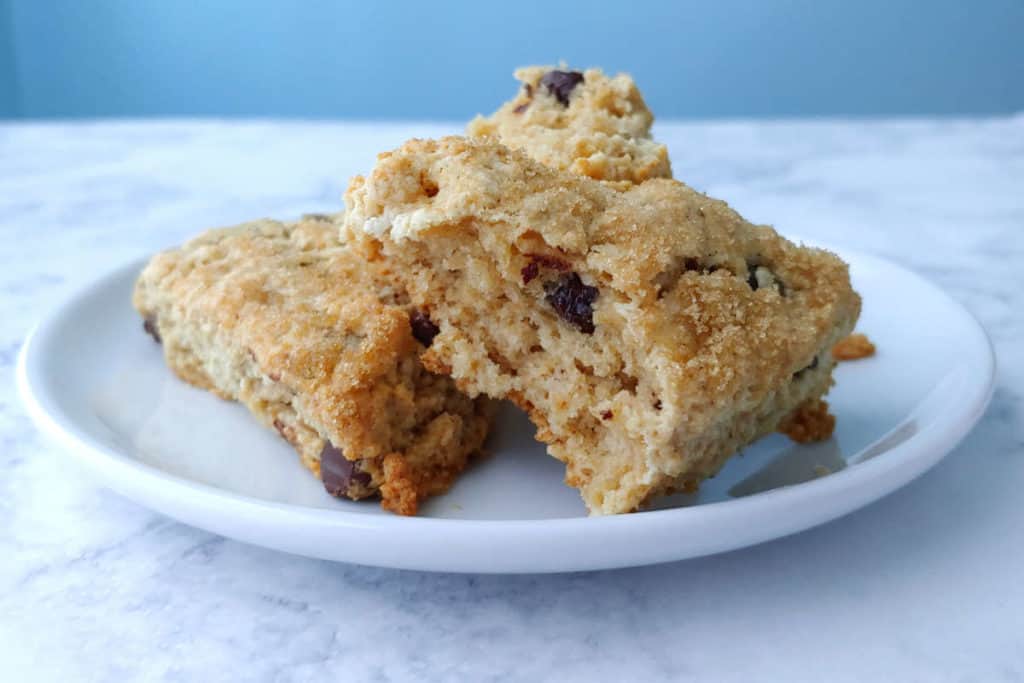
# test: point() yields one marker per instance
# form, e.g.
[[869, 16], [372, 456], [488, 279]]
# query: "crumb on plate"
[[853, 347]]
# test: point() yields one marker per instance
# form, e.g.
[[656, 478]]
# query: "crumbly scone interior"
[[238, 312], [706, 331], [599, 127]]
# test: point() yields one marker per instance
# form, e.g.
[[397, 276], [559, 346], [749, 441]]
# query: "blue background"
[[449, 60]]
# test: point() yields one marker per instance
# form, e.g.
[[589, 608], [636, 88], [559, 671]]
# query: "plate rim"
[[112, 466]]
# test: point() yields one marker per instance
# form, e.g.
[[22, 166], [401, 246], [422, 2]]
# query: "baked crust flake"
[[853, 347]]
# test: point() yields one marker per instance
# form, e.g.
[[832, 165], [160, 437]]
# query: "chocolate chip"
[[338, 472], [573, 301], [521, 108], [149, 325], [423, 328], [532, 269], [561, 84], [607, 415]]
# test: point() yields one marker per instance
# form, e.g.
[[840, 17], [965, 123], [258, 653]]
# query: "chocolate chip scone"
[[649, 333], [584, 122], [318, 345]]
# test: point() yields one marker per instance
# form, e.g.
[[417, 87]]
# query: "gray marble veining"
[[923, 585]]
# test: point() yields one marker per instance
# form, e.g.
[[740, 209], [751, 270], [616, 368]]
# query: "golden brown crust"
[[317, 344], [853, 347], [602, 131], [687, 332]]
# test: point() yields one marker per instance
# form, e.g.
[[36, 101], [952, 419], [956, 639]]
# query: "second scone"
[[580, 121]]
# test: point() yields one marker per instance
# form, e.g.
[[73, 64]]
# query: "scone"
[[649, 333], [583, 122], [316, 344]]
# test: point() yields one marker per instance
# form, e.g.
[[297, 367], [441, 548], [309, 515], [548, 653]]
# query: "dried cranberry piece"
[[561, 84], [573, 301], [423, 328]]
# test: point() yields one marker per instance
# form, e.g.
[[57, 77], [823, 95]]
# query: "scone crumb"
[[398, 492], [853, 347], [809, 422]]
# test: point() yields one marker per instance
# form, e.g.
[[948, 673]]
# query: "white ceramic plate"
[[96, 384]]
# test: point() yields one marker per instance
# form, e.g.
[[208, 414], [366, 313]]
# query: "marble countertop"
[[927, 584]]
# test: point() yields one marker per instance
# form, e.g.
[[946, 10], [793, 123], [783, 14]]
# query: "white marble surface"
[[927, 584]]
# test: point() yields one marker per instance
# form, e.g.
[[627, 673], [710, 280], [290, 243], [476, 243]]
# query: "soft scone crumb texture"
[[580, 121], [317, 344], [649, 332]]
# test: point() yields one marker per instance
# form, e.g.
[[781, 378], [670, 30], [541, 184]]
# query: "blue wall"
[[707, 58], [8, 85]]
